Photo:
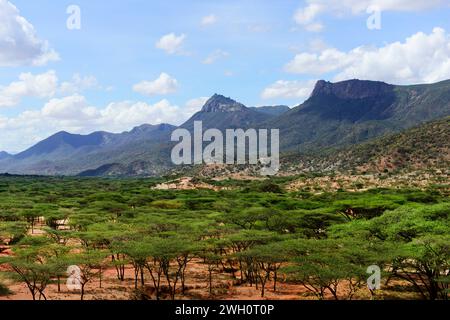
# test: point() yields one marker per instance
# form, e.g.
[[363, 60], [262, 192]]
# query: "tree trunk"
[[100, 277], [275, 277], [210, 281], [142, 276], [82, 291]]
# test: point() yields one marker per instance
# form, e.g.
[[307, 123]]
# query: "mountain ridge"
[[336, 115]]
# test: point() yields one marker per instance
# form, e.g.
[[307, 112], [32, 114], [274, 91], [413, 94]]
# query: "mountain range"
[[336, 115]]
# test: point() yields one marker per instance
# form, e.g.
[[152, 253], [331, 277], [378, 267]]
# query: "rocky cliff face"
[[352, 89]]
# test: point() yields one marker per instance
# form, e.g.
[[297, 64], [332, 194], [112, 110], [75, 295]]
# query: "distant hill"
[[70, 154], [134, 168], [423, 147], [272, 110], [64, 143], [4, 155]]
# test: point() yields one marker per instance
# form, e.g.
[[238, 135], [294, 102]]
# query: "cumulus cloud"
[[69, 108], [75, 114], [317, 63], [78, 84], [41, 86], [44, 85], [171, 43], [308, 15], [165, 84], [421, 58], [216, 55], [209, 20], [19, 44], [299, 90], [119, 116]]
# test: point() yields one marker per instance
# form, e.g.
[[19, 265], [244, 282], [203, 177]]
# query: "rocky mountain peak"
[[220, 103]]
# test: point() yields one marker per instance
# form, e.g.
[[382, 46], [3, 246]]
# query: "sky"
[[84, 66]]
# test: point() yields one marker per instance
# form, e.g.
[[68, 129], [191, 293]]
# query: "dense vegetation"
[[422, 147], [254, 232]]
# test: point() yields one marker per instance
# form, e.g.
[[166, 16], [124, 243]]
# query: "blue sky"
[[112, 74]]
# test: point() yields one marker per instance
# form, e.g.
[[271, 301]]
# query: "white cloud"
[[171, 43], [165, 84], [69, 108], [19, 44], [120, 116], [78, 84], [209, 20], [307, 16], [216, 55], [317, 63], [421, 58], [289, 89], [44, 85], [41, 86], [317, 45], [74, 114]]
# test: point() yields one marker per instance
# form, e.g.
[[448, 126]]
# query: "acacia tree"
[[239, 242], [210, 253], [34, 264], [415, 242], [31, 215], [137, 251], [11, 232], [423, 247], [312, 267], [90, 264], [55, 218], [425, 263], [262, 261], [169, 257], [58, 252]]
